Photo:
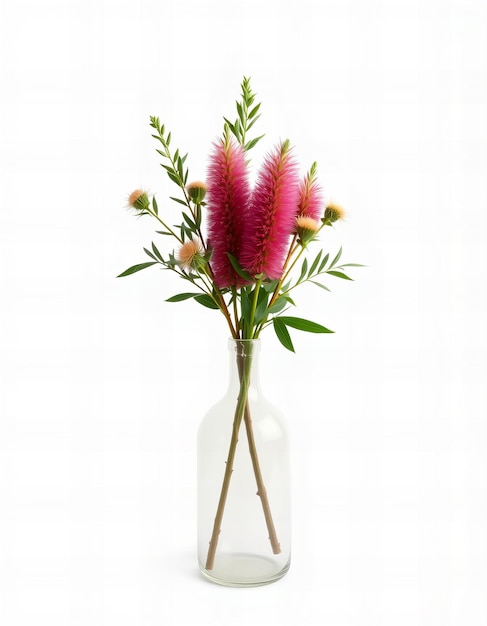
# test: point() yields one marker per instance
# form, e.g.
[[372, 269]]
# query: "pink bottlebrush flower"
[[272, 215], [228, 198], [310, 202]]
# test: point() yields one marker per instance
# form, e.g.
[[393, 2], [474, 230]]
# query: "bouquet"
[[242, 249]]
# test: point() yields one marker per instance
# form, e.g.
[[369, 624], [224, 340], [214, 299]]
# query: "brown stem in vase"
[[261, 490], [242, 411]]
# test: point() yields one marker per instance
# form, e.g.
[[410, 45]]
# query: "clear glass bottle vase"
[[244, 508]]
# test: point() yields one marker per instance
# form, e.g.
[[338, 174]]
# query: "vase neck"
[[244, 356]]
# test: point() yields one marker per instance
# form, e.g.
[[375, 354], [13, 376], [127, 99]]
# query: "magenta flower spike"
[[228, 199], [310, 200], [272, 213]]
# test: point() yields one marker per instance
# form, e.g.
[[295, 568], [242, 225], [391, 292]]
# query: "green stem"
[[169, 230]]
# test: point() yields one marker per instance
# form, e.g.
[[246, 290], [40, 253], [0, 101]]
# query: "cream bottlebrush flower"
[[306, 228], [190, 254], [333, 213], [196, 191], [139, 200]]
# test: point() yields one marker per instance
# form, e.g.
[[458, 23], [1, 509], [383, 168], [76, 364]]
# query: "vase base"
[[244, 570]]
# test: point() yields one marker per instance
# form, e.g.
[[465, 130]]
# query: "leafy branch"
[[247, 115]]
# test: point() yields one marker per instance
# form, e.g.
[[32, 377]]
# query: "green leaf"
[[283, 333], [306, 325], [240, 113], [339, 274], [189, 221], [261, 310], [250, 144], [352, 265], [304, 269], [179, 297], [238, 268], [323, 263], [178, 200], [270, 286], [278, 305], [174, 178], [320, 285], [206, 300], [154, 205], [136, 268], [249, 126], [335, 260], [156, 252], [149, 253], [314, 265], [254, 111], [230, 125]]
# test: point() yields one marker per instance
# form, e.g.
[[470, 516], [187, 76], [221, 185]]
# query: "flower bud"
[[190, 255], [139, 200], [333, 213], [306, 228], [196, 191]]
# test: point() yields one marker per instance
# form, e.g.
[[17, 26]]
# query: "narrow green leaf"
[[352, 265], [283, 333], [250, 144], [320, 285], [249, 126], [314, 265], [261, 310], [302, 324], [179, 297], [206, 300], [178, 200], [168, 139], [254, 111], [240, 271], [189, 221], [136, 268], [323, 263], [241, 113], [156, 252], [335, 260], [155, 208], [339, 274], [304, 269], [174, 178], [230, 125], [163, 232], [149, 253]]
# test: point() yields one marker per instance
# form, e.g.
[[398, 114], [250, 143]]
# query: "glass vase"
[[244, 521]]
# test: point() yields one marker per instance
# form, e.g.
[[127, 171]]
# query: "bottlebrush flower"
[[272, 214], [333, 213], [196, 191], [227, 198], [139, 200], [310, 201], [190, 254], [306, 228]]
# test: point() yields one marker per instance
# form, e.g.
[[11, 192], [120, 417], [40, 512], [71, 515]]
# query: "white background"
[[103, 384]]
